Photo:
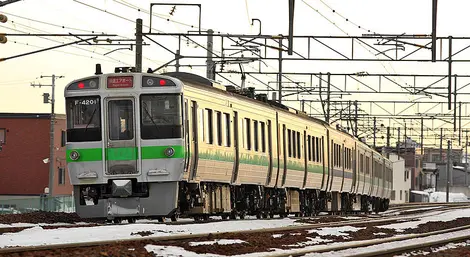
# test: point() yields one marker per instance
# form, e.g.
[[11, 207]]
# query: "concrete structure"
[[25, 144], [401, 180]]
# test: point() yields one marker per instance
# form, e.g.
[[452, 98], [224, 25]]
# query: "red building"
[[24, 145]]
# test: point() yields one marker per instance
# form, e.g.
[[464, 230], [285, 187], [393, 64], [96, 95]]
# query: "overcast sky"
[[312, 17]]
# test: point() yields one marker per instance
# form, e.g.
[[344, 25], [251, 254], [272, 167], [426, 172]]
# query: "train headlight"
[[74, 155], [169, 152]]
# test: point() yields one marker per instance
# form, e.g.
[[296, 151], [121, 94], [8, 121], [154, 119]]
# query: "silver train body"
[[147, 145]]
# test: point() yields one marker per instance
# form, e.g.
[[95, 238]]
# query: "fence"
[[38, 203]]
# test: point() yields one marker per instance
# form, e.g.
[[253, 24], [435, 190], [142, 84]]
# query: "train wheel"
[[258, 215], [196, 218], [174, 217], [161, 219], [117, 221], [265, 215], [242, 215], [224, 216], [271, 215], [131, 220], [233, 216]]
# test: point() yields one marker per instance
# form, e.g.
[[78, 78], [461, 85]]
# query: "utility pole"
[[51, 146], [466, 157], [138, 45], [449, 168]]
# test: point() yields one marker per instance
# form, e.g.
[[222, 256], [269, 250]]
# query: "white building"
[[401, 180]]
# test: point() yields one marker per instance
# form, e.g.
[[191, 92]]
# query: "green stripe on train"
[[125, 153]]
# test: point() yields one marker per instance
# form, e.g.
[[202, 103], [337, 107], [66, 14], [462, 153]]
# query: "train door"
[[194, 141], [187, 142], [121, 151], [236, 146], [270, 153], [284, 154]]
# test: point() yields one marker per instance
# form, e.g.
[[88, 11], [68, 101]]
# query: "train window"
[[255, 135], [299, 155], [263, 136], [248, 133], [218, 116], [161, 116], [121, 119], [227, 130], [83, 119], [202, 133], [210, 126], [318, 149], [289, 143], [309, 147], [367, 165], [294, 147]]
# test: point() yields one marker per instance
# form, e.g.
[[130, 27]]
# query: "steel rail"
[[198, 235], [330, 248]]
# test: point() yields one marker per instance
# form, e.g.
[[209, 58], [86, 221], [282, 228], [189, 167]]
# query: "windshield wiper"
[[148, 114], [91, 118]]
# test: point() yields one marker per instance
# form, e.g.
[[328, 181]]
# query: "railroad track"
[[349, 249], [200, 235]]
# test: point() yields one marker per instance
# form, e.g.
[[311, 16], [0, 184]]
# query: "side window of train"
[[210, 126], [218, 120], [309, 146], [255, 135], [263, 136], [202, 122], [299, 155], [247, 133], [289, 143], [227, 130]]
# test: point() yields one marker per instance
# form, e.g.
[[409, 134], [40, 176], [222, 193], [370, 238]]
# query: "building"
[[401, 180], [25, 149]]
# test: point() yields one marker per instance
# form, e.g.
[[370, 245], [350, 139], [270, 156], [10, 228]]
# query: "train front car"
[[125, 148]]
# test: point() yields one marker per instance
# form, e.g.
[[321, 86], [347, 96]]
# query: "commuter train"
[[165, 145]]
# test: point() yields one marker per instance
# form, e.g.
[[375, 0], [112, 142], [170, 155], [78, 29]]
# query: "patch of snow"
[[384, 246], [453, 197], [218, 241], [380, 234], [39, 236], [312, 241], [334, 231], [277, 235], [174, 251], [443, 216]]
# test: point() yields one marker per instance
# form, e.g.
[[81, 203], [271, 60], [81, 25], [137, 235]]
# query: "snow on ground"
[[435, 250], [439, 216], [218, 241], [441, 197], [39, 236], [334, 231], [385, 246], [174, 251]]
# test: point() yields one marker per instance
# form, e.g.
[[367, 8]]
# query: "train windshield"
[[83, 119], [161, 116]]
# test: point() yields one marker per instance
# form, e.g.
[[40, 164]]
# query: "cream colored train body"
[[249, 156]]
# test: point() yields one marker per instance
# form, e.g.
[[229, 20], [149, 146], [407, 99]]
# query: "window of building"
[[61, 176], [3, 136], [401, 195], [218, 117], [393, 195], [227, 130]]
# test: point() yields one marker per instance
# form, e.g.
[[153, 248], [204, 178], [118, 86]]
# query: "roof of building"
[[10, 115]]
